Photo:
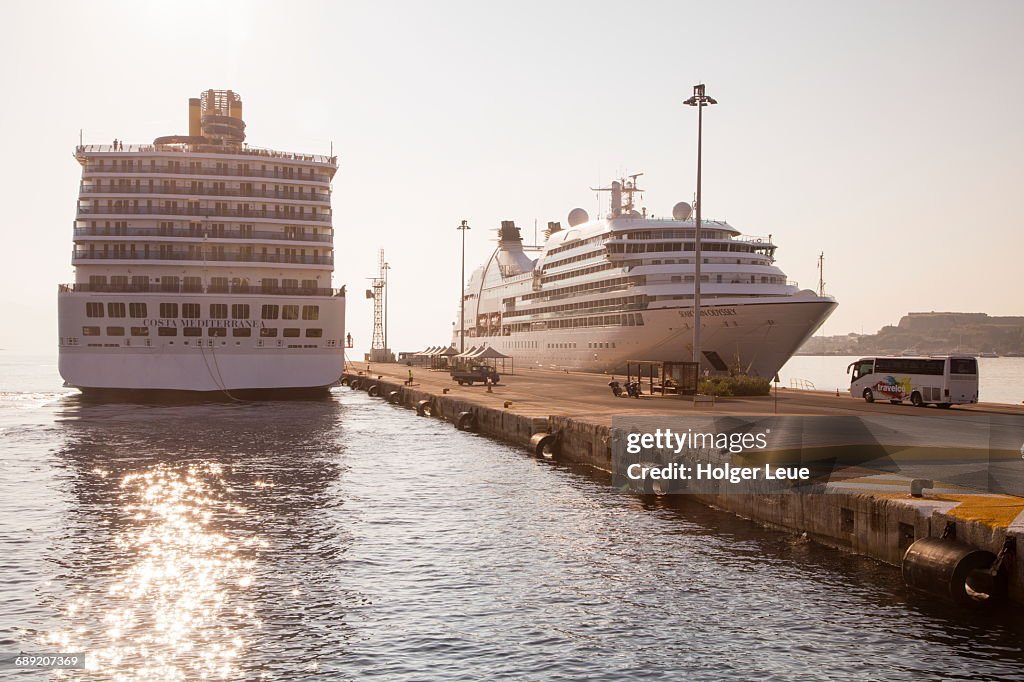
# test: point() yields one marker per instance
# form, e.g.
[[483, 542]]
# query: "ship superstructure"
[[202, 264], [620, 288]]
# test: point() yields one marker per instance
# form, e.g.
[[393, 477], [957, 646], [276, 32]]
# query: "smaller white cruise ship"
[[621, 288], [202, 264]]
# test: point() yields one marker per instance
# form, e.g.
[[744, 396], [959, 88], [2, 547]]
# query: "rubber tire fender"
[[466, 421], [425, 408]]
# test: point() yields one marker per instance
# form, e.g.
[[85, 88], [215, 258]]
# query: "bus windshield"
[[862, 368]]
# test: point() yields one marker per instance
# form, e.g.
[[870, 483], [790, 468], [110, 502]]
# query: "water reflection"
[[190, 525], [350, 539]]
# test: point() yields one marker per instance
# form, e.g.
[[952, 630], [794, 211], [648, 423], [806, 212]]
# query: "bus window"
[[963, 366]]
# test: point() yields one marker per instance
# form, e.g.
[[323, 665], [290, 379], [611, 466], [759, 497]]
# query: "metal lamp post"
[[462, 290], [386, 268], [699, 100]]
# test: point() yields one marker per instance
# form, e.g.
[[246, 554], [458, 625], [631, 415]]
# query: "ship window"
[[314, 333], [219, 311], [676, 279], [241, 331], [311, 312], [137, 310], [240, 311], [217, 331], [168, 310], [270, 312], [140, 331], [115, 331], [190, 310], [268, 332], [291, 332], [290, 312], [94, 310], [90, 331], [192, 331], [115, 310], [167, 331]]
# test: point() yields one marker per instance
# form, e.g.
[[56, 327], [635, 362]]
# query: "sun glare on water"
[[175, 602]]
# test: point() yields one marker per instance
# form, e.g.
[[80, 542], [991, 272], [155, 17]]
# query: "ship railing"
[[199, 256], [753, 239], [87, 287], [157, 190], [200, 213], [205, 149], [211, 234]]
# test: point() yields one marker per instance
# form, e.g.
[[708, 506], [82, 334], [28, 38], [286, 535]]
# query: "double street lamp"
[[699, 100]]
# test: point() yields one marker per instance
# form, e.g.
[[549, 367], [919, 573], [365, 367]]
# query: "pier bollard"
[[508, 404], [918, 485], [444, 391]]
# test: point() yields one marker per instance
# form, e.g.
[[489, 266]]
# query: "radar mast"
[[623, 187]]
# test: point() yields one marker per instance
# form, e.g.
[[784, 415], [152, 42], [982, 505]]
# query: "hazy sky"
[[888, 135]]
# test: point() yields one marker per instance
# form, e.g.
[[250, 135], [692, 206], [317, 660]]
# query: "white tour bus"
[[938, 380]]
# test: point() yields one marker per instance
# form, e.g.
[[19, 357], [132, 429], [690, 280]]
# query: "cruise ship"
[[202, 264], [602, 292]]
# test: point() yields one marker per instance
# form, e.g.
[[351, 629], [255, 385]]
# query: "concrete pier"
[[872, 514]]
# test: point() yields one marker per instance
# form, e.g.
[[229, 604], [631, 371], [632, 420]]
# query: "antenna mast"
[[377, 293], [821, 274]]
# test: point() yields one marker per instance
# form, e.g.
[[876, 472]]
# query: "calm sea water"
[[348, 539], [1001, 380]]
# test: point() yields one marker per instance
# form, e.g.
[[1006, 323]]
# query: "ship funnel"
[[552, 228], [512, 260], [508, 232], [194, 117]]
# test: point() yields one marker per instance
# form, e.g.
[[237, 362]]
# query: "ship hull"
[[249, 366], [755, 338]]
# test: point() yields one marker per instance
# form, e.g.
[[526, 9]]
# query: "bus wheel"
[[915, 399], [868, 395]]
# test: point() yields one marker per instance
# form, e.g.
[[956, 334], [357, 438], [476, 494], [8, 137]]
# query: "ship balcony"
[[201, 214], [102, 234], [196, 257], [527, 315], [113, 170], [160, 190], [175, 287]]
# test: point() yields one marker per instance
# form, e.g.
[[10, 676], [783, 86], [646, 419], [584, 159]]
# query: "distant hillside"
[[928, 333]]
